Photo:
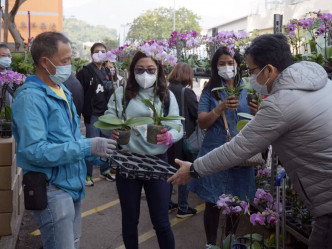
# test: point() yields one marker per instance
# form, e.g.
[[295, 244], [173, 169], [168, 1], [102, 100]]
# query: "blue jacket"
[[48, 140]]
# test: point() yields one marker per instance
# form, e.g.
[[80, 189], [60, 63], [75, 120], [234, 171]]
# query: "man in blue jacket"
[[50, 145]]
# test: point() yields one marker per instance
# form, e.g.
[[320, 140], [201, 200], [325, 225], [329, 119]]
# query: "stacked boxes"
[[11, 194]]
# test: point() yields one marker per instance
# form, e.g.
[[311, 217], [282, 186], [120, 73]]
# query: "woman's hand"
[[115, 135], [165, 137], [253, 106], [230, 103]]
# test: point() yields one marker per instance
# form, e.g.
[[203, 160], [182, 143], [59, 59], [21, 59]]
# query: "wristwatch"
[[193, 172]]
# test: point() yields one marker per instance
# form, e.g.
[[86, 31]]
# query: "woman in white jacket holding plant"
[[145, 74]]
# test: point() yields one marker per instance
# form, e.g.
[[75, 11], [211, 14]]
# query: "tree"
[[110, 43], [10, 23], [158, 24]]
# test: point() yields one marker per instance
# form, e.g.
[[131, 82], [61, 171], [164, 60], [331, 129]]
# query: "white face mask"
[[5, 62], [262, 89], [145, 80], [227, 72], [62, 73]]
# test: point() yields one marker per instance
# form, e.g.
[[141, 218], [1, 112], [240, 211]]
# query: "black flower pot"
[[5, 128], [124, 137]]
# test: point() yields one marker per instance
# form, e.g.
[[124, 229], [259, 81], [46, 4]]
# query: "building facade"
[[45, 15]]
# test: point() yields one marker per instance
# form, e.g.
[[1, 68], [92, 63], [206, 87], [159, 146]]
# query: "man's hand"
[[182, 176], [102, 147]]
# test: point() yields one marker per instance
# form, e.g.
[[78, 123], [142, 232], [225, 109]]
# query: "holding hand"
[[102, 147], [230, 103], [115, 135], [253, 106], [165, 137], [182, 176]]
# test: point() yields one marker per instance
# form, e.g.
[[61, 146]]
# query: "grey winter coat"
[[297, 120]]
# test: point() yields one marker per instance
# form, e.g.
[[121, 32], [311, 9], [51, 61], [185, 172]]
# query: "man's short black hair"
[[4, 46], [271, 49], [46, 44], [97, 44]]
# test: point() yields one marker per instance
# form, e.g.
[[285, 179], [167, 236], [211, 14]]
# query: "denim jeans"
[[92, 131], [183, 193], [157, 193], [60, 223], [321, 235]]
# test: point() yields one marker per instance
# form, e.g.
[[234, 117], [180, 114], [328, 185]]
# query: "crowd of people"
[[57, 160]]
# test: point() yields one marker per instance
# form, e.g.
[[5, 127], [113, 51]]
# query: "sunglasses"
[[151, 70]]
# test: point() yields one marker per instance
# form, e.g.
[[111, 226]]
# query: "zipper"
[[73, 133]]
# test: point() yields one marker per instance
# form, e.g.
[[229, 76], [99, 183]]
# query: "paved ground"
[[102, 223]]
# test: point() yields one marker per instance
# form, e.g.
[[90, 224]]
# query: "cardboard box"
[[20, 202], [7, 175], [7, 224], [7, 151], [9, 198]]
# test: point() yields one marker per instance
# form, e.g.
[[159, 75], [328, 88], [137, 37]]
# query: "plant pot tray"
[[138, 166]]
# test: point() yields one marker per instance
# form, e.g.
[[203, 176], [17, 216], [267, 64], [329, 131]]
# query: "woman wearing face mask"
[[239, 181], [141, 83]]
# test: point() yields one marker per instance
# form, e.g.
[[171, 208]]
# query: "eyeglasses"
[[250, 71], [150, 70]]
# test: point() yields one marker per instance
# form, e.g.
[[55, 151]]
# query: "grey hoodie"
[[297, 120]]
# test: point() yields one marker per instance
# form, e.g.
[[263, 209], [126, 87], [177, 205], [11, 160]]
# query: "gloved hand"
[[165, 137], [102, 147]]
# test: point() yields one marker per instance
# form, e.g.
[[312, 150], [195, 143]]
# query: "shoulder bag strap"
[[183, 112], [223, 115]]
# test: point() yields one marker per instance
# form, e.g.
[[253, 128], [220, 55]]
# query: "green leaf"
[[245, 115], [241, 124], [110, 120], [219, 88], [176, 127], [149, 103], [168, 118], [237, 89], [106, 126], [8, 112], [255, 236], [138, 121]]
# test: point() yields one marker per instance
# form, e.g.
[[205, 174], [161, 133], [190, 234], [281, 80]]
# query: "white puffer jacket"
[[297, 120]]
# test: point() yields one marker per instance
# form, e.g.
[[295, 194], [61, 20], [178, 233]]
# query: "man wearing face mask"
[[296, 119], [5, 61], [50, 148], [97, 92]]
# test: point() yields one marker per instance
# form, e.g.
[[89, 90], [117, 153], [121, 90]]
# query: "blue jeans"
[[183, 193], [92, 131], [60, 223], [157, 193]]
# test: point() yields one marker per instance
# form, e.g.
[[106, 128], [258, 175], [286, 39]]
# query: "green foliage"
[[243, 122], [22, 63], [107, 122], [230, 91], [111, 43], [158, 24], [78, 64], [158, 118]]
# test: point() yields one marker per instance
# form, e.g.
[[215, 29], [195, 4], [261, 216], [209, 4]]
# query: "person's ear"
[[272, 71], [43, 62]]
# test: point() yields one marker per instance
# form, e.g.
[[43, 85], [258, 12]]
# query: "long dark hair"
[[132, 87], [214, 81]]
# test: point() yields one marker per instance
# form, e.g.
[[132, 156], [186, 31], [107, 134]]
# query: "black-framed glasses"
[[250, 71], [150, 70]]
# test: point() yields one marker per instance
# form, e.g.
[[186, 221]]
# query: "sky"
[[119, 13]]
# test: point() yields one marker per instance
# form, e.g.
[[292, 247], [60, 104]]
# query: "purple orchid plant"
[[13, 80]]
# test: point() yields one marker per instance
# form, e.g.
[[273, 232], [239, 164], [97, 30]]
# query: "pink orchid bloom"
[[257, 219]]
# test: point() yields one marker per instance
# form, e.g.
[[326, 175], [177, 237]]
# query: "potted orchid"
[[9, 82], [157, 51]]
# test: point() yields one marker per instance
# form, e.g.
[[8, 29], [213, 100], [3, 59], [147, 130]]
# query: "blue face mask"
[[62, 73], [5, 62]]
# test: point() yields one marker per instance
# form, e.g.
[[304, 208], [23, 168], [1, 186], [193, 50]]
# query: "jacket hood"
[[307, 76]]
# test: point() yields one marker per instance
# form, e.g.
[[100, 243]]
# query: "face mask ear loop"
[[52, 65]]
